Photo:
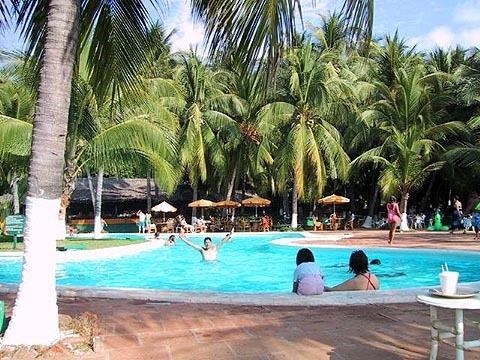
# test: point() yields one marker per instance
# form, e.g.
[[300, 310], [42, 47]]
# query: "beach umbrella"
[[227, 204], [256, 201], [334, 199], [202, 203], [164, 207]]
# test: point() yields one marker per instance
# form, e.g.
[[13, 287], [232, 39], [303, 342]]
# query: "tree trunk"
[[35, 314], [98, 223], [294, 206], [286, 208], [368, 223], [195, 197], [16, 196], [149, 193], [91, 188], [231, 184], [423, 203], [68, 189], [403, 210]]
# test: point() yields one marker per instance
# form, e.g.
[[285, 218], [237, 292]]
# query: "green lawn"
[[6, 243]]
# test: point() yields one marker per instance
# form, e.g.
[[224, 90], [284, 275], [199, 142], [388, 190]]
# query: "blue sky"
[[425, 23]]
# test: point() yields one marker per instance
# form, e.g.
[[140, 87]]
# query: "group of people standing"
[[458, 216]]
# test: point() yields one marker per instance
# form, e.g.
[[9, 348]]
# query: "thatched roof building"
[[120, 195]]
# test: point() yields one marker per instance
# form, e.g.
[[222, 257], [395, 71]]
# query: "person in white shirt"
[[307, 278], [208, 251]]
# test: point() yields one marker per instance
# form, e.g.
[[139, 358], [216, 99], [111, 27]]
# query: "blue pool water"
[[250, 264]]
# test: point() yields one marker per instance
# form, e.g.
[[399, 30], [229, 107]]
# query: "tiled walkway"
[[140, 329]]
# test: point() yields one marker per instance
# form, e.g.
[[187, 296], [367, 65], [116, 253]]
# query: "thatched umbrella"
[[334, 199], [202, 203], [227, 204], [256, 201], [164, 207]]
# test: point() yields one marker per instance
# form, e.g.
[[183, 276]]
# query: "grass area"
[[6, 243]]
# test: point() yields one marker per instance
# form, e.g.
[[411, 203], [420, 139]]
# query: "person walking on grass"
[[209, 251], [393, 218]]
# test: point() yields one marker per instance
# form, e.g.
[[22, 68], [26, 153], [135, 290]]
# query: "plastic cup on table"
[[448, 282]]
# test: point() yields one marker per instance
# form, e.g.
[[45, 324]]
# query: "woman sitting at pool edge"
[[307, 278], [363, 279]]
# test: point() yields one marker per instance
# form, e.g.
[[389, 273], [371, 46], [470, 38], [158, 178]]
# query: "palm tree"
[[311, 149], [200, 119], [56, 42], [412, 133], [16, 113]]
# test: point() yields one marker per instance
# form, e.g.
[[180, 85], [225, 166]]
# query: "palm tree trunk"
[[368, 223], [403, 209], [195, 197], [68, 188], [149, 193], [231, 184], [91, 188], [286, 211], [98, 225], [35, 314], [294, 206], [16, 199]]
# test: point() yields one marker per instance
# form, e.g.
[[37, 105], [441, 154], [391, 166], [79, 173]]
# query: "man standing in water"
[[209, 251]]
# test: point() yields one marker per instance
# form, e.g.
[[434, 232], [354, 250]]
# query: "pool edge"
[[362, 297]]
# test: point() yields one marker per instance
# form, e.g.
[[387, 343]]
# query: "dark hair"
[[456, 197], [207, 238], [358, 262], [393, 199], [304, 255], [375, 262], [171, 237]]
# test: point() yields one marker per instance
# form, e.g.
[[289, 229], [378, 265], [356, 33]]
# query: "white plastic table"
[[441, 331]]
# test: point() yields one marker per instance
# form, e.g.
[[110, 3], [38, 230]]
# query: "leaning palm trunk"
[[98, 225], [35, 314]]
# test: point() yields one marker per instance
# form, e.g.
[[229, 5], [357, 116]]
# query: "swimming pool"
[[251, 265]]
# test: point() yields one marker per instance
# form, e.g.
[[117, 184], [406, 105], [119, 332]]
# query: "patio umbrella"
[[334, 199], [202, 203], [256, 201], [164, 207], [227, 204]]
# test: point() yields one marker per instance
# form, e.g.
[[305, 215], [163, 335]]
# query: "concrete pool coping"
[[416, 240]]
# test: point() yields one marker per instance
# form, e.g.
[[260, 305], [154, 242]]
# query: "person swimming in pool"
[[208, 251]]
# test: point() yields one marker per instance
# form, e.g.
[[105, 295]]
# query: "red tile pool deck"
[[144, 329]]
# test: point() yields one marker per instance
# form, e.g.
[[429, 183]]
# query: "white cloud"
[[467, 12], [188, 34], [442, 36], [469, 37]]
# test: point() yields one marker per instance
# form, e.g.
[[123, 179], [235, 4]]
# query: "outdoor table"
[[440, 330], [255, 225], [162, 226]]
